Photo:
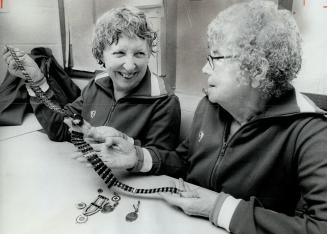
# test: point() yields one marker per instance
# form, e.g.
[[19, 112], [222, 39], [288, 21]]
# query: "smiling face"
[[126, 63], [224, 86]]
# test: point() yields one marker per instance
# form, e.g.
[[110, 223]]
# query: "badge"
[[200, 136], [92, 113]]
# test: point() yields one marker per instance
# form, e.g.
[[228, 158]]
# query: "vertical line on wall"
[[170, 8], [62, 29], [285, 4], [94, 11], [70, 51]]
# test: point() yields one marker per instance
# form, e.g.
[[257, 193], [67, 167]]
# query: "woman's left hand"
[[96, 134], [85, 128], [196, 201]]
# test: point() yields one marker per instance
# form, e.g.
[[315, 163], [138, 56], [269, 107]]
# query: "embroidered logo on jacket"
[[92, 114], [200, 136]]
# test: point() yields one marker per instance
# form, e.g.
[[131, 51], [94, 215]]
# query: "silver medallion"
[[115, 198], [81, 219], [80, 205]]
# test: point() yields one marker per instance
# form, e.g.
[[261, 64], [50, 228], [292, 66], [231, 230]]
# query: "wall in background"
[[81, 18], [192, 46], [29, 24], [311, 16]]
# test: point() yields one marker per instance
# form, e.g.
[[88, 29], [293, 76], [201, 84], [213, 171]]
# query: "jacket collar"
[[151, 86], [291, 103]]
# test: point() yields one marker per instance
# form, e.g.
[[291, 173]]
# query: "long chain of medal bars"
[[78, 140]]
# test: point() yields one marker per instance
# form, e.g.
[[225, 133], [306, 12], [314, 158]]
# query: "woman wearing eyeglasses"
[[257, 148]]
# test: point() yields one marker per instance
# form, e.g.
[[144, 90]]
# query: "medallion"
[[100, 190], [115, 198], [132, 216], [107, 208], [80, 205], [81, 219]]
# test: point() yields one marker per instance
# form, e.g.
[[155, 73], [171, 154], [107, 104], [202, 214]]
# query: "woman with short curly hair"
[[257, 147], [130, 21], [126, 97], [266, 39]]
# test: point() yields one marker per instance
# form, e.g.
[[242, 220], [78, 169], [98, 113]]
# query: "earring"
[[101, 64]]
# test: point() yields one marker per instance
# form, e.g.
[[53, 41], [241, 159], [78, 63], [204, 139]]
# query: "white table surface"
[[30, 124], [40, 184]]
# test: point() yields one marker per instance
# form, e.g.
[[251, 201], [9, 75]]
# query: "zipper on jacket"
[[226, 140], [217, 164], [112, 108], [220, 154]]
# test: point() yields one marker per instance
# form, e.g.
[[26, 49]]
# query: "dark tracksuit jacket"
[[276, 164], [149, 114]]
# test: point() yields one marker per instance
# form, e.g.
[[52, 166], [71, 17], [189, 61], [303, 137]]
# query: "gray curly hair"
[[126, 20], [264, 39]]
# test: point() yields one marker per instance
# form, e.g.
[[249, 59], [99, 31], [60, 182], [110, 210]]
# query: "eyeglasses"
[[212, 58]]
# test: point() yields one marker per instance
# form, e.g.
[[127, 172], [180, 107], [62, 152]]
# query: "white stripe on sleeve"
[[44, 87], [227, 211], [147, 162]]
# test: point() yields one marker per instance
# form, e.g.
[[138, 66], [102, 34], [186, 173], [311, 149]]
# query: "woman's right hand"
[[116, 152], [114, 147], [100, 133], [30, 66], [119, 153]]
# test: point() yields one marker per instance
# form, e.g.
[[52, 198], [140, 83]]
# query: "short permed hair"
[[264, 38], [126, 20]]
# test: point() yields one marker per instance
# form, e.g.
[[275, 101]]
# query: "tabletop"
[[41, 187], [30, 124]]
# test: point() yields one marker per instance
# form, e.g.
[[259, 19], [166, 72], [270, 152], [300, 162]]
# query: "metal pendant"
[[115, 198], [80, 205], [81, 219], [100, 190], [107, 208], [132, 216]]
